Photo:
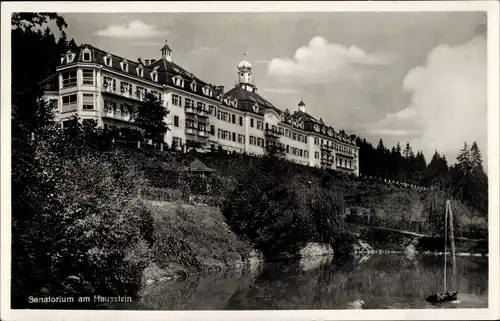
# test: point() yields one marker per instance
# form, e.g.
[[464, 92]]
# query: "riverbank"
[[190, 239]]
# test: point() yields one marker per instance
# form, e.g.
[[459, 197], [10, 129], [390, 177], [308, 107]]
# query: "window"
[[109, 106], [288, 148], [260, 125], [316, 155], [193, 86], [70, 57], [69, 102], [69, 79], [189, 123], [140, 71], [176, 121], [108, 61], [316, 141], [154, 76], [157, 95], [200, 105], [212, 130], [88, 102], [300, 154], [176, 100], [110, 83], [212, 109], [294, 136], [178, 81], [125, 87], [188, 102], [234, 137], [241, 139], [124, 66], [241, 121], [219, 133], [233, 118], [306, 154], [251, 122], [88, 76], [86, 55], [140, 92]]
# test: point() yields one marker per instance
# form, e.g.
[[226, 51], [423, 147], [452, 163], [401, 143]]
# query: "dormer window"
[[178, 81], [207, 91], [256, 108], [140, 71], [108, 61], [86, 55], [233, 102], [124, 66], [226, 100], [154, 75], [70, 57], [193, 86]]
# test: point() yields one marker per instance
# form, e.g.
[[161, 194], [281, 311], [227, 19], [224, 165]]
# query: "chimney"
[[219, 90], [146, 62]]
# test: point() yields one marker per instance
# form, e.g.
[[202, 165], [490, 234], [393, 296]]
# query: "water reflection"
[[378, 281]]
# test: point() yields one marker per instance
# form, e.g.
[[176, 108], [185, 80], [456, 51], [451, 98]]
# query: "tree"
[[476, 161], [150, 117]]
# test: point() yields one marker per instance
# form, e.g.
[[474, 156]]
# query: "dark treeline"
[[466, 180]]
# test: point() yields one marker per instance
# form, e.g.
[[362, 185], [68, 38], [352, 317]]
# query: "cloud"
[[203, 50], [135, 29], [322, 62], [147, 43], [281, 90], [262, 61], [449, 100]]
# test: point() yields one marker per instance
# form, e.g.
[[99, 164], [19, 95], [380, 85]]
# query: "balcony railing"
[[69, 107], [345, 153], [190, 110], [109, 113], [191, 130], [327, 160], [272, 132], [327, 147], [202, 132], [122, 92]]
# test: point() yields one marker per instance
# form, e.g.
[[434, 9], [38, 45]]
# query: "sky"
[[417, 77]]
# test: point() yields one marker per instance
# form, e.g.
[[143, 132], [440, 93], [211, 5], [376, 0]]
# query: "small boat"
[[442, 297]]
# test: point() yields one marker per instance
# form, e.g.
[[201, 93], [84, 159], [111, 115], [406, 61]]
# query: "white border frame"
[[491, 7]]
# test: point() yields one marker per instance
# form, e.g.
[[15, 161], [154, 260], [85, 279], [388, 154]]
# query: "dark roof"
[[51, 83], [166, 47], [301, 103], [251, 98], [166, 69], [198, 166]]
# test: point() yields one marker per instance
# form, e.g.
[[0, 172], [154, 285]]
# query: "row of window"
[[231, 136], [72, 101], [126, 88], [297, 152], [343, 149], [189, 123], [190, 103]]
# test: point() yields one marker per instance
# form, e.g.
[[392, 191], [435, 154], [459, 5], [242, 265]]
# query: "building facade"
[[100, 86]]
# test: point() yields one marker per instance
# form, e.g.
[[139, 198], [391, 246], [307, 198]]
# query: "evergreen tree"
[[476, 161], [150, 117]]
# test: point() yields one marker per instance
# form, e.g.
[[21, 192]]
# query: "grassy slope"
[[192, 239]]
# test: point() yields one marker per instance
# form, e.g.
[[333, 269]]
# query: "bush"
[[77, 215]]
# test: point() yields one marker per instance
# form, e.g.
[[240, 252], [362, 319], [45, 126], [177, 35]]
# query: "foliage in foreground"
[[279, 212], [75, 214]]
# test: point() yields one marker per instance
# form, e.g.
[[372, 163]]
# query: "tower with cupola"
[[245, 75]]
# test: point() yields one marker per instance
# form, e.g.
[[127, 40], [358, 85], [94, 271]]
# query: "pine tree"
[[476, 161], [150, 117], [463, 159]]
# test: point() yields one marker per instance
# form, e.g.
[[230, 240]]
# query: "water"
[[380, 281]]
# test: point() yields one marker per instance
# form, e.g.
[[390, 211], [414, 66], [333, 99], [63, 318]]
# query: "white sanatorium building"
[[94, 84]]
